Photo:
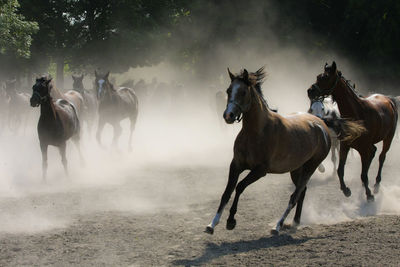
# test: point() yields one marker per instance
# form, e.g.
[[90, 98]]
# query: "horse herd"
[[267, 142], [298, 143]]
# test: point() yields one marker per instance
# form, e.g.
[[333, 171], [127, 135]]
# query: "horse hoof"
[[370, 198], [274, 232], [376, 188], [209, 230], [231, 224], [346, 192]]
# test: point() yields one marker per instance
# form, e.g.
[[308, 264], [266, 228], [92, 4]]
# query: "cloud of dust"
[[180, 141]]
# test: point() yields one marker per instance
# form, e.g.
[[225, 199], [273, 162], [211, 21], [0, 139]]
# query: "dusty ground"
[[86, 227]]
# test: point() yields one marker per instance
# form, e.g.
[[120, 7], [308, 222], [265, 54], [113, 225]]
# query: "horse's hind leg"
[[43, 148], [300, 178], [367, 154], [343, 151], [386, 145], [234, 173], [253, 176], [64, 161]]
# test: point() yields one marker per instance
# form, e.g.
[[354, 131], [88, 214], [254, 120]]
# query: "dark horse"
[[58, 119], [269, 143], [114, 106], [377, 112], [89, 110]]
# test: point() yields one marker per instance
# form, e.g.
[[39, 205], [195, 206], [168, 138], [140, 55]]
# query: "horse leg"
[[117, 133], [343, 151], [334, 147], [64, 161], [253, 176], [386, 145], [100, 127], [234, 173], [367, 154], [43, 148], [133, 123], [76, 140], [300, 178]]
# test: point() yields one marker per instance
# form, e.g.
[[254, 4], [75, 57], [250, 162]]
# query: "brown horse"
[[377, 112], [114, 106], [57, 123], [269, 143], [18, 104], [89, 110]]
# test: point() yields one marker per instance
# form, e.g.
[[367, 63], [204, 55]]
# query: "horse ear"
[[326, 66], [231, 75], [48, 81], [245, 75], [73, 77], [82, 76], [333, 67], [96, 74], [108, 74]]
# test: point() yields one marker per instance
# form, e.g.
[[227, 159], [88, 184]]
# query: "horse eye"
[[229, 91]]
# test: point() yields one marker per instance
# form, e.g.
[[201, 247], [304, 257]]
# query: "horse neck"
[[258, 115], [55, 93], [347, 100], [47, 110]]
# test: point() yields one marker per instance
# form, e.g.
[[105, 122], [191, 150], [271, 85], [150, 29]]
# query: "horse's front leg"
[[43, 148], [100, 129], [253, 176], [63, 151], [234, 172], [343, 151], [117, 133]]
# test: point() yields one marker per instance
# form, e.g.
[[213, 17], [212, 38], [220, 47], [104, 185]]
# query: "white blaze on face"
[[317, 109], [100, 89]]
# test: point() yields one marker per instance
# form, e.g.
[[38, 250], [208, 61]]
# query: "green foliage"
[[15, 31]]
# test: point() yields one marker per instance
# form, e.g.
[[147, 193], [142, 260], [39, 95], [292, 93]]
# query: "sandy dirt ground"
[[123, 211]]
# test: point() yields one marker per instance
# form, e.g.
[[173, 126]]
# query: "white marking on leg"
[[285, 214], [215, 221]]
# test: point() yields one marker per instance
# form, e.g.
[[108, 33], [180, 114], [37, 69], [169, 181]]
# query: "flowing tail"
[[346, 130]]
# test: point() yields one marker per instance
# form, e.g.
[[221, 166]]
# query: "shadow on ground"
[[214, 251]]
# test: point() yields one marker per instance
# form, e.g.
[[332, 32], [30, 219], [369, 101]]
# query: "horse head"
[[41, 91], [239, 96], [326, 82], [78, 83], [102, 84]]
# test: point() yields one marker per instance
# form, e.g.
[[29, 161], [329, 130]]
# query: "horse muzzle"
[[34, 102]]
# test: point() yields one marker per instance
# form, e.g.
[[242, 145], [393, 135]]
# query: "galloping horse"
[[323, 108], [58, 120], [18, 104], [269, 143], [89, 111], [114, 106], [377, 112]]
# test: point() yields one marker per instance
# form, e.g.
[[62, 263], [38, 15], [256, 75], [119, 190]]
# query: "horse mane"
[[256, 79], [348, 83], [53, 91]]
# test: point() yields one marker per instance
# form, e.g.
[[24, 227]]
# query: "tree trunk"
[[60, 73]]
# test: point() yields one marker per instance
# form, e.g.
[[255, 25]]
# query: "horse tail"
[[346, 130]]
